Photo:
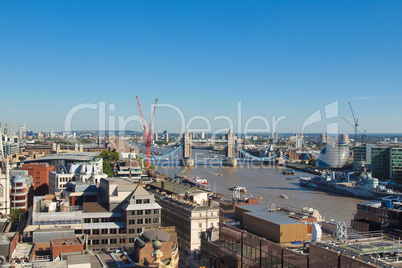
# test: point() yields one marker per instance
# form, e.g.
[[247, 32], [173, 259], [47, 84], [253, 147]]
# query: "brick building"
[[40, 174]]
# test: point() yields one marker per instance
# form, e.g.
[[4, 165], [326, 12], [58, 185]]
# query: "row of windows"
[[142, 201], [134, 231], [64, 179], [105, 231], [97, 220], [142, 221], [121, 241], [200, 224], [142, 212], [19, 197]]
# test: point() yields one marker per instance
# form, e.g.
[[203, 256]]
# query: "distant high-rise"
[[21, 131], [323, 140], [299, 143], [8, 130], [344, 138], [156, 137], [202, 135], [276, 138], [166, 135]]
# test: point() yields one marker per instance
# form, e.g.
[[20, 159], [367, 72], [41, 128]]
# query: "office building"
[[344, 138], [4, 192], [323, 139], [334, 155], [78, 172], [21, 131], [386, 161], [8, 130], [362, 156], [118, 219], [187, 208], [40, 174]]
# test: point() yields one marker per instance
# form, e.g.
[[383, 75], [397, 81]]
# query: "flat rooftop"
[[274, 217], [65, 241], [82, 156], [177, 188]]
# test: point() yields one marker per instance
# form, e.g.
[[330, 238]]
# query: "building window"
[[132, 240], [131, 213], [131, 231], [148, 220], [130, 222], [122, 240], [200, 224], [147, 211], [104, 220], [87, 220], [140, 212], [105, 241], [95, 242], [140, 221], [95, 231], [104, 231], [156, 211], [95, 220], [146, 201], [122, 231], [156, 220], [113, 231], [138, 201], [87, 232], [113, 241]]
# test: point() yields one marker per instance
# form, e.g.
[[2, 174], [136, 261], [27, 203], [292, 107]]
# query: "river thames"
[[268, 183]]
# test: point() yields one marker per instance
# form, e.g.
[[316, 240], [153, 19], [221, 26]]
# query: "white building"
[[4, 192], [79, 172]]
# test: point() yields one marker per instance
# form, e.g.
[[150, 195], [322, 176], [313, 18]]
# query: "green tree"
[[111, 156], [107, 168], [16, 213], [108, 158], [312, 162]]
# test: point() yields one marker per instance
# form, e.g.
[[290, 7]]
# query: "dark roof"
[[154, 234]]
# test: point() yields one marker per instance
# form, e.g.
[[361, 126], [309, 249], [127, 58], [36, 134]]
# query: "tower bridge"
[[234, 154], [230, 150]]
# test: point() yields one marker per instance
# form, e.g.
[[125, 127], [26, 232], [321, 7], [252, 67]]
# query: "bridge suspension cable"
[[253, 156], [168, 154]]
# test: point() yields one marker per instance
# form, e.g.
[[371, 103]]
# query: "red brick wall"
[[58, 249], [40, 174], [13, 245]]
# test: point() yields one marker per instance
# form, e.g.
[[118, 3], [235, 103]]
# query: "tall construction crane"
[[363, 133], [147, 132], [355, 120]]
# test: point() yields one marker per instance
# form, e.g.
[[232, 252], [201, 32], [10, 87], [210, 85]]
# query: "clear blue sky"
[[277, 58]]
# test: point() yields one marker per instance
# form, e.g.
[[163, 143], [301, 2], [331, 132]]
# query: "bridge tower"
[[230, 151], [187, 161]]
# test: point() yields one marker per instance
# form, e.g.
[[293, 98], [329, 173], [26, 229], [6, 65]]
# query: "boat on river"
[[242, 189], [327, 183]]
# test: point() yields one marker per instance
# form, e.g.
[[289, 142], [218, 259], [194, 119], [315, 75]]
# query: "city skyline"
[[276, 59]]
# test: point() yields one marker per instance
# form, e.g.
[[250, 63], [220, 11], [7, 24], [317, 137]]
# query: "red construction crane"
[[147, 135]]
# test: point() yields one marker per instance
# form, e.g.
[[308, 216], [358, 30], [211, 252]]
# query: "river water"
[[268, 183]]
